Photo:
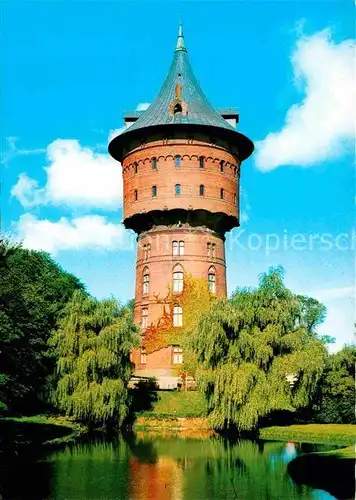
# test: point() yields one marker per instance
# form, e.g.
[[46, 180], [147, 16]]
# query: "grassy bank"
[[42, 429], [333, 434], [348, 452], [171, 405]]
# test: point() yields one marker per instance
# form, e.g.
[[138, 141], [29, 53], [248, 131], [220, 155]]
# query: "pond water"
[[148, 466]]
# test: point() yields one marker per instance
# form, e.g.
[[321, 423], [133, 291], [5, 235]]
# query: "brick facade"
[[181, 177], [203, 251], [220, 170], [171, 246]]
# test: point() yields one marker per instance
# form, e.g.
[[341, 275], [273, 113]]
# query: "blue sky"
[[69, 74]]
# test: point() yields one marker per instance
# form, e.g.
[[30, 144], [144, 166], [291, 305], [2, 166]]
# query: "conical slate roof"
[[180, 86]]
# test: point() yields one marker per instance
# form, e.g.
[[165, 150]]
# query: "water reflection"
[[152, 467]]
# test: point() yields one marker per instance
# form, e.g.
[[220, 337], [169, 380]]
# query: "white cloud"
[[90, 232], [76, 176], [322, 125], [142, 106], [12, 150], [115, 132], [334, 293], [26, 190]]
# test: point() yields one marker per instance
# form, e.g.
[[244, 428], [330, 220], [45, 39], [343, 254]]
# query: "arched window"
[[222, 193], [177, 188], [136, 195], [177, 161], [211, 280], [145, 252], [208, 249], [181, 248], [201, 161], [144, 318], [213, 248], [177, 315], [154, 163], [178, 282], [221, 165], [154, 191], [135, 167], [146, 281], [201, 190]]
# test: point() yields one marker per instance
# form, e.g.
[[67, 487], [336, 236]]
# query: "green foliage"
[[312, 314], [194, 300], [189, 404], [334, 402], [92, 345], [247, 345], [311, 433], [33, 292]]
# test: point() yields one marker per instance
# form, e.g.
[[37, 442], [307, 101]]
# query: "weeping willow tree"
[[92, 345], [247, 348]]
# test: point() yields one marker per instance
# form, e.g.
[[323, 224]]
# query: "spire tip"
[[180, 39]]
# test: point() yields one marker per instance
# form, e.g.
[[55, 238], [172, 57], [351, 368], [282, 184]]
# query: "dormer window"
[[177, 108]]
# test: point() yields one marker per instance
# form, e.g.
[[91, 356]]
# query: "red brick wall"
[[158, 359], [189, 175], [161, 264], [139, 177]]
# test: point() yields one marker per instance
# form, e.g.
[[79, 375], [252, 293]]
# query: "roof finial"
[[180, 39]]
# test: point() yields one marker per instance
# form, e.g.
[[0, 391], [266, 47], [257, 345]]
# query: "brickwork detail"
[[220, 171]]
